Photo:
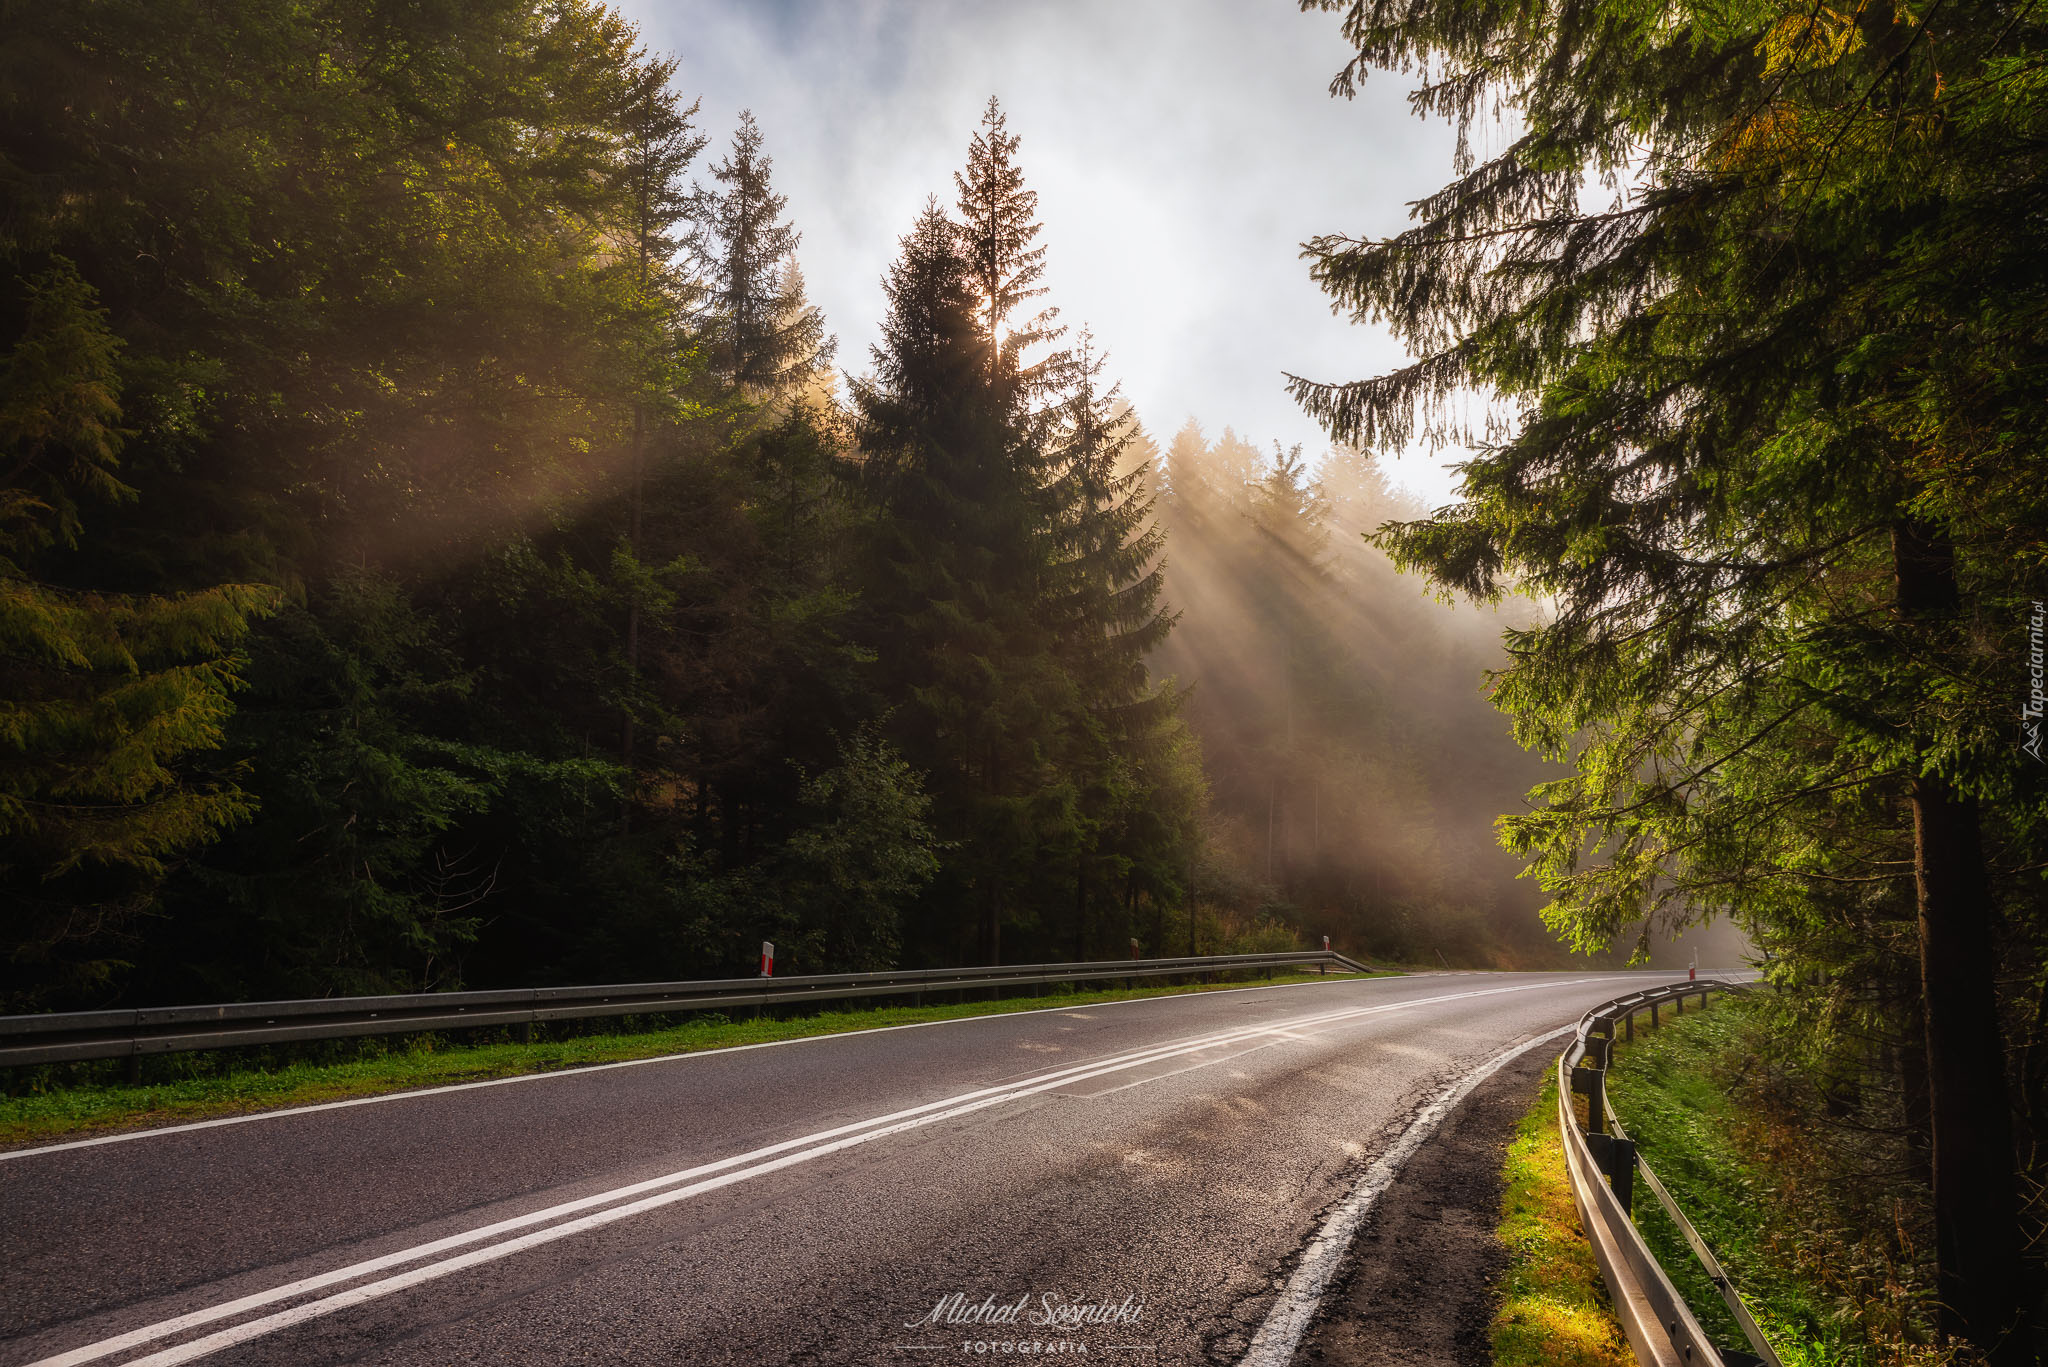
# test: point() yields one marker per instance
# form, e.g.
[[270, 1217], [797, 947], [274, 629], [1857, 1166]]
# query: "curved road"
[[1152, 1170]]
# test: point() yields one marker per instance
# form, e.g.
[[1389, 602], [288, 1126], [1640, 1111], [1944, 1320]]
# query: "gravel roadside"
[[1419, 1286]]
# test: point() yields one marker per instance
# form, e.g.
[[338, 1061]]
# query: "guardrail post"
[[1591, 1083], [1617, 1159], [1653, 1015], [523, 1032], [1629, 1024], [134, 1070], [1678, 1005]]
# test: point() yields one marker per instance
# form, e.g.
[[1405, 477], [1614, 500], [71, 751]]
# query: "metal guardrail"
[[1661, 1327], [81, 1035]]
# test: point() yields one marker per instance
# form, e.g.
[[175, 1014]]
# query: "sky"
[[1182, 150]]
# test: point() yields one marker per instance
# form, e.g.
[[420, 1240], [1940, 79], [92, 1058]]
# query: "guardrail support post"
[[1592, 1084], [1617, 1159], [523, 1032], [1629, 1024], [1621, 1174], [1653, 1015], [135, 1070]]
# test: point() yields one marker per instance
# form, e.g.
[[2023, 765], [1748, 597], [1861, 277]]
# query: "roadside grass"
[[75, 1101], [1554, 1311], [1767, 1195]]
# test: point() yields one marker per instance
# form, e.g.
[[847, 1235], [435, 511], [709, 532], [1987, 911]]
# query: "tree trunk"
[[1081, 910], [994, 929], [1976, 1209], [632, 626]]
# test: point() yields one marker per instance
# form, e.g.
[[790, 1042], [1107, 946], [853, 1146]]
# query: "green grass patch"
[[53, 1104], [1553, 1304], [1554, 1310], [1746, 1177]]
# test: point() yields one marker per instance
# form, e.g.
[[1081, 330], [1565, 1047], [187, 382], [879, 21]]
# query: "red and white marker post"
[[767, 959]]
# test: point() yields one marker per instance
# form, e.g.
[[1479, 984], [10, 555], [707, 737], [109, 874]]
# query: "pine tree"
[[1765, 401], [1108, 550], [1103, 602], [997, 228], [956, 570], [766, 336], [656, 148], [112, 700]]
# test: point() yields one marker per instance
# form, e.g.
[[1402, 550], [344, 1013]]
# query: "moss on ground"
[[1554, 1310]]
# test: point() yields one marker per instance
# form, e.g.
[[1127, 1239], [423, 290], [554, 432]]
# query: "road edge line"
[[1285, 1324]]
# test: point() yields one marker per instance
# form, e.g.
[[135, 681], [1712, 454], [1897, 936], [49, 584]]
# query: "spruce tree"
[[1768, 402], [1103, 602], [956, 569], [766, 335], [997, 229], [656, 148], [112, 700]]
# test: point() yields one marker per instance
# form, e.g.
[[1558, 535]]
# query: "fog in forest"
[[549, 596], [1356, 764]]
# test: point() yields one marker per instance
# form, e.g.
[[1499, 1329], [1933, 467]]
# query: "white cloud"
[[1181, 150]]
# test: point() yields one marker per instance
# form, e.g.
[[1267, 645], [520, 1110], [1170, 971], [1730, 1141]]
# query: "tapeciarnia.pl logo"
[[2037, 669]]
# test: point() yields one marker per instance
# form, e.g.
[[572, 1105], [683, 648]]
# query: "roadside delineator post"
[[1324, 966], [767, 959]]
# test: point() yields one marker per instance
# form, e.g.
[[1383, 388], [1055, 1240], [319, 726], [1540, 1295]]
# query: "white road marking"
[[1280, 1335], [738, 1168], [584, 1070]]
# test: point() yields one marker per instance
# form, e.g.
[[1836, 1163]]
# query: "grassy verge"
[[53, 1104], [1554, 1310], [1771, 1195]]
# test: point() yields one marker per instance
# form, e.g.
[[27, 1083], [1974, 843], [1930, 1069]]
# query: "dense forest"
[[438, 550]]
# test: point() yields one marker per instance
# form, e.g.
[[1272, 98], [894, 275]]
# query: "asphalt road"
[[807, 1203]]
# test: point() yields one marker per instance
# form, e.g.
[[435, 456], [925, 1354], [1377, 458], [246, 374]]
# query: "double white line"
[[621, 1203]]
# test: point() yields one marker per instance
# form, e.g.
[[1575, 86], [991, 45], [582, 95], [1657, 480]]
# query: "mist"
[[1356, 764]]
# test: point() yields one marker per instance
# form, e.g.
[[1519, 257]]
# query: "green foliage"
[[866, 855], [109, 696], [1554, 1310], [60, 410], [1771, 463], [1718, 439], [1831, 1259], [433, 552], [765, 334]]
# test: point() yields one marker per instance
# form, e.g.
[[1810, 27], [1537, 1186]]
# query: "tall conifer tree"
[[767, 336], [998, 228], [959, 564], [1768, 403]]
